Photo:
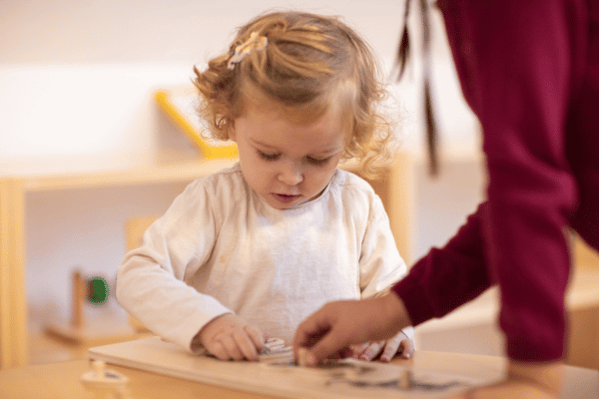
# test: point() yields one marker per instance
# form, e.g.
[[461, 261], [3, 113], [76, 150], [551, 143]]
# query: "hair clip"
[[255, 42]]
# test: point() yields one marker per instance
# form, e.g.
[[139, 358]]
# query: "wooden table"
[[61, 380]]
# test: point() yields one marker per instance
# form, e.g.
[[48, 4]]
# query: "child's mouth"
[[286, 199]]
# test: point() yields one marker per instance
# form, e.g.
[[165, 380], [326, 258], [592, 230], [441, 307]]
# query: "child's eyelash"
[[274, 156], [317, 161], [269, 156]]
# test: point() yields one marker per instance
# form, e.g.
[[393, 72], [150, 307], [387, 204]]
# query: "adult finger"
[[331, 345], [311, 330]]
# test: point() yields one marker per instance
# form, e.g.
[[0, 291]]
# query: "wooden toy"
[[103, 327], [280, 376], [105, 383]]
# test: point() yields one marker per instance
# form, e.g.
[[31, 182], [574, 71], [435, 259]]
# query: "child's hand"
[[228, 337], [399, 345]]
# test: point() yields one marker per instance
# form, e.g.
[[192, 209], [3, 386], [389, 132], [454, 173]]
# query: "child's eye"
[[318, 161], [269, 156]]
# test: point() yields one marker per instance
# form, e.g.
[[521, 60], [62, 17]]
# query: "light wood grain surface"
[[62, 380]]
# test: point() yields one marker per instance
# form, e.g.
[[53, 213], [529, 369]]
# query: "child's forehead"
[[327, 119], [299, 147], [303, 114], [273, 129]]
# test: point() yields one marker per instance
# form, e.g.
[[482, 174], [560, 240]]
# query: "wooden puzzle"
[[277, 374]]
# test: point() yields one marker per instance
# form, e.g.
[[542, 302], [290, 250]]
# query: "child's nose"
[[291, 174]]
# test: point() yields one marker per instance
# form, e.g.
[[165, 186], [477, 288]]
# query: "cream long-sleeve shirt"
[[221, 248]]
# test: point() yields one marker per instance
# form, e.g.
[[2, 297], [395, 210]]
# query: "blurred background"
[[77, 82]]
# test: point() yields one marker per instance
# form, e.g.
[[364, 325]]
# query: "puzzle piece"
[[273, 346], [105, 382], [274, 349]]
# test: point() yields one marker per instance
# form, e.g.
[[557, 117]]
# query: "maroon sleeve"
[[517, 64], [447, 278]]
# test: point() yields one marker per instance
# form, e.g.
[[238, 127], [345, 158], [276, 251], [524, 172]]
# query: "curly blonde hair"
[[312, 64]]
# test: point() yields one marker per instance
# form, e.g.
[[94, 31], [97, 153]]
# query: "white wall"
[[77, 75], [160, 31], [77, 78]]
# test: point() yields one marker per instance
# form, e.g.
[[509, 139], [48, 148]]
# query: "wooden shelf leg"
[[13, 309]]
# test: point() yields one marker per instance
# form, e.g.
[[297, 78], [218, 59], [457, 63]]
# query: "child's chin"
[[282, 207], [283, 202]]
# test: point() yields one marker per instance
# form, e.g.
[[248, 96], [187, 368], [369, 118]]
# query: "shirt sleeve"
[[515, 70], [381, 265], [151, 279], [449, 277]]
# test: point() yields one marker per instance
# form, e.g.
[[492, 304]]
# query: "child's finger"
[[216, 349], [391, 348], [407, 349], [231, 347], [255, 335], [245, 346], [372, 351], [357, 350]]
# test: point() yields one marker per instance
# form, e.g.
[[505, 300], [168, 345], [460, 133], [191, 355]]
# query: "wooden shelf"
[[20, 177], [48, 175]]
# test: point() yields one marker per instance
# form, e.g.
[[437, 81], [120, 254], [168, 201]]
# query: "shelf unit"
[[17, 179]]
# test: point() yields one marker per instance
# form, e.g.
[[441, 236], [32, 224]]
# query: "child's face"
[[286, 163]]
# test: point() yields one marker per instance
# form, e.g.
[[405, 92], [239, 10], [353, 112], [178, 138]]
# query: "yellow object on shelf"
[[180, 104]]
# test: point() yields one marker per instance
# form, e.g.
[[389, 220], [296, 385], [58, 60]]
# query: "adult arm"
[[515, 63], [449, 277]]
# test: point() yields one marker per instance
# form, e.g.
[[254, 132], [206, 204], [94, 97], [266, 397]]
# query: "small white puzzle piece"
[[275, 351], [104, 382]]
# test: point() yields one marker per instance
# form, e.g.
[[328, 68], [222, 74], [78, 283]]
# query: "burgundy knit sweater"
[[530, 72]]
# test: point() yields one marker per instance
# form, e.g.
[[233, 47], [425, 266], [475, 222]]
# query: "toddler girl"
[[258, 247]]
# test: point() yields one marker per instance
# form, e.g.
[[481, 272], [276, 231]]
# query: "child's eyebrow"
[[258, 142], [327, 151], [330, 150]]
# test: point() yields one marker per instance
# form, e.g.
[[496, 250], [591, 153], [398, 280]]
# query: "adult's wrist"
[[546, 376], [396, 311]]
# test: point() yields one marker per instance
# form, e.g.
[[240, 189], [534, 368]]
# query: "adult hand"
[[229, 337], [332, 330], [399, 345], [524, 381]]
